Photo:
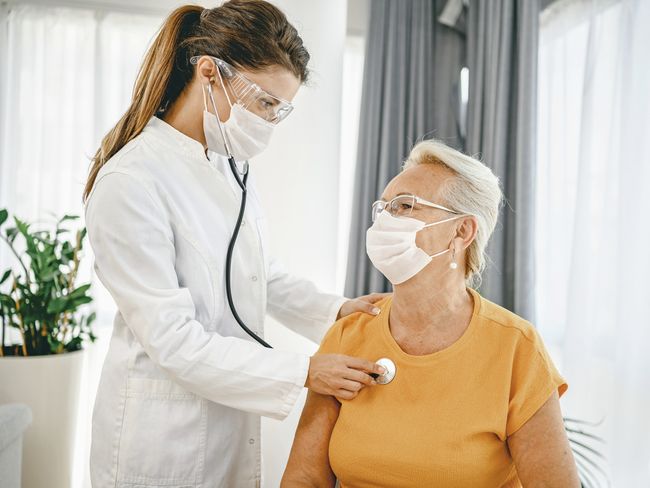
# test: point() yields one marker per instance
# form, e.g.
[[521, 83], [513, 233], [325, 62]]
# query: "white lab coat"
[[183, 387]]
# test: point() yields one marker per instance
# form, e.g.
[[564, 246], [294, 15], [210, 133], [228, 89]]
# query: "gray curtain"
[[502, 59], [410, 91]]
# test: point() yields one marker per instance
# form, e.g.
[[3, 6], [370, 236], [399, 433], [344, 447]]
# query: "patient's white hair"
[[474, 190]]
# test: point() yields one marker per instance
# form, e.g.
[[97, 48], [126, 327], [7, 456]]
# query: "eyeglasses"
[[249, 94], [403, 205]]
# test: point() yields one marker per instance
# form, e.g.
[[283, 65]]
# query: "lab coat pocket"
[[163, 435], [200, 274]]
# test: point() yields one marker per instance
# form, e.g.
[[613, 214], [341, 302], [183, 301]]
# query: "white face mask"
[[390, 244], [247, 134]]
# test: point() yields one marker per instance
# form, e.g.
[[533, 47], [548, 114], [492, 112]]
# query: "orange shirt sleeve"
[[534, 378]]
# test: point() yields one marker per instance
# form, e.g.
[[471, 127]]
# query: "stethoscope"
[[241, 178]]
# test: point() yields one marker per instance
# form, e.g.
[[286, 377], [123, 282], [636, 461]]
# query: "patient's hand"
[[364, 304]]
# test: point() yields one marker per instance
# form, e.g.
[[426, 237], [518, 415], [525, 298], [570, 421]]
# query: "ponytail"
[[251, 34], [155, 86]]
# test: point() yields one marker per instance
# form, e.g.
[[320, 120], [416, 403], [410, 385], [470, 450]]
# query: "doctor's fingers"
[[364, 365], [353, 386], [358, 376], [374, 297], [346, 394]]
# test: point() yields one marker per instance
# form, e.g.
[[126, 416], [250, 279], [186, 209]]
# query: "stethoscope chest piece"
[[387, 377]]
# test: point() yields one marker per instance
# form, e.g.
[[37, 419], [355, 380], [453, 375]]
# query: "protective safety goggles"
[[403, 205], [249, 94]]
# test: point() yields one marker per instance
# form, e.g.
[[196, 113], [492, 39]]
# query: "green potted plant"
[[45, 322]]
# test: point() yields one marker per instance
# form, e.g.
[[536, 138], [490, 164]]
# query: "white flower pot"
[[49, 385]]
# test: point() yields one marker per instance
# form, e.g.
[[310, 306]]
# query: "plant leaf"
[[68, 217], [57, 305], [11, 234], [5, 276], [77, 302], [22, 227], [79, 292]]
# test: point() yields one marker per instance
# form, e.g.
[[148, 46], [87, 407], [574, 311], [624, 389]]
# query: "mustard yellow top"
[[444, 419]]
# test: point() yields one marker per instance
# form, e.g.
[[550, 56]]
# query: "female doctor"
[[183, 385]]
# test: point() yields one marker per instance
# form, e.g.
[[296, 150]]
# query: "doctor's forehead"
[[424, 180]]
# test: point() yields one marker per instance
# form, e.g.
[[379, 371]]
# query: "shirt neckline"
[[435, 356]]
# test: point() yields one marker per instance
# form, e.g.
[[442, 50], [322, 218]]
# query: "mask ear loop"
[[224, 136], [443, 221], [223, 85], [439, 253], [223, 133], [446, 250]]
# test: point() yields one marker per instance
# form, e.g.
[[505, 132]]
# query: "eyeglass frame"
[[416, 199], [223, 66]]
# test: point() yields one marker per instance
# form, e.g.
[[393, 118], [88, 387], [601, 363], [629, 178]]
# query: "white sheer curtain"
[[592, 219], [66, 77]]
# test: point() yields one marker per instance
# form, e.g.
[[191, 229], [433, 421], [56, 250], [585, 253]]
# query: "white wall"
[[297, 177]]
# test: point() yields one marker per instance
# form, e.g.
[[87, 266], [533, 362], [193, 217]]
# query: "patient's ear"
[[466, 231]]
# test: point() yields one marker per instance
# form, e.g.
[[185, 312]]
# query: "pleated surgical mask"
[[247, 134], [390, 244]]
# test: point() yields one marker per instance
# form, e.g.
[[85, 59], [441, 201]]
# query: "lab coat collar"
[[190, 149], [175, 140]]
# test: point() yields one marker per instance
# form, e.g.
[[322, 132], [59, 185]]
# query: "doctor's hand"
[[364, 304], [339, 375]]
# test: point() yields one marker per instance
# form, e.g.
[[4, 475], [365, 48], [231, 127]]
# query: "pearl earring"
[[453, 264]]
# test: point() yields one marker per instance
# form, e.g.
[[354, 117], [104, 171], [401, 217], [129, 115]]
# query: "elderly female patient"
[[474, 401]]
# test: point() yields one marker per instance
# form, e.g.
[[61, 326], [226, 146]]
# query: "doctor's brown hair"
[[250, 34]]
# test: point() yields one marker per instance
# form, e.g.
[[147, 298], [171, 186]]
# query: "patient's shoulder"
[[506, 321], [351, 329]]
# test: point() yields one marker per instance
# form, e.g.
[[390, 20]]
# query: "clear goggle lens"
[[249, 94]]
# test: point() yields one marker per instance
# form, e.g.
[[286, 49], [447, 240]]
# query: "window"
[[591, 223], [68, 78]]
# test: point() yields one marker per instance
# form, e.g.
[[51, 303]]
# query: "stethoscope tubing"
[[231, 247]]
